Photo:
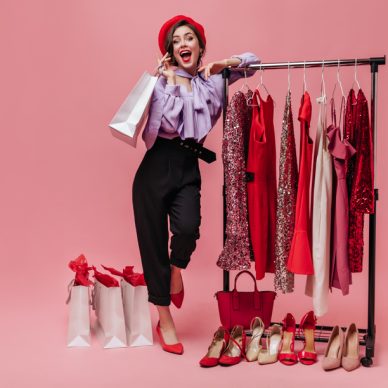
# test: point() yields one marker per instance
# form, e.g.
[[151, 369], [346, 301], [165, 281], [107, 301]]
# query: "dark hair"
[[168, 44]]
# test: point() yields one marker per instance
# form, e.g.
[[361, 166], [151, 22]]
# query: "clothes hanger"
[[250, 100], [245, 84], [261, 84], [323, 84], [304, 77], [289, 79], [355, 81], [338, 82]]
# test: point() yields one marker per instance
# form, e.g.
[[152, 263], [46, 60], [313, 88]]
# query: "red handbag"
[[239, 307]]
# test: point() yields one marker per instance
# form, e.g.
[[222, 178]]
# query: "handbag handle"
[[256, 294], [250, 274]]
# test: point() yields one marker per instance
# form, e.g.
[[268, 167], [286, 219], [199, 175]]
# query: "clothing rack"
[[367, 336]]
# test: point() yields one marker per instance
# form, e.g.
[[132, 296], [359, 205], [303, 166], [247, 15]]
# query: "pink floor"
[[34, 352]]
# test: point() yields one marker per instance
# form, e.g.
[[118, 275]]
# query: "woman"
[[186, 103]]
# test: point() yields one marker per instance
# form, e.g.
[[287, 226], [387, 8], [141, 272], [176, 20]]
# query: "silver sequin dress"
[[236, 254], [286, 201]]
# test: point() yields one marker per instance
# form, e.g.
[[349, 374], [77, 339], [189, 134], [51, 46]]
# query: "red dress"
[[300, 259], [359, 174], [262, 189]]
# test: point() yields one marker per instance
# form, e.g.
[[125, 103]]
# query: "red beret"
[[169, 23]]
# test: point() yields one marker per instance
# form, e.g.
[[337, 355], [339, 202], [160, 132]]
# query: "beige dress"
[[317, 285]]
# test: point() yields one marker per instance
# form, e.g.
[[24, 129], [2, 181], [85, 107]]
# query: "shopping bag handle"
[[235, 294], [250, 274]]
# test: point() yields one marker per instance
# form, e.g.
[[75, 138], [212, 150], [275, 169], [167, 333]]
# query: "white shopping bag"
[[137, 314], [132, 114], [108, 304], [78, 331]]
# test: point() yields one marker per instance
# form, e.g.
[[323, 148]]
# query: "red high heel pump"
[[216, 348], [177, 299], [287, 355], [308, 355], [236, 347], [171, 348]]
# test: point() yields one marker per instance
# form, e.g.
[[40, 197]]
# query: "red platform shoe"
[[174, 348], [216, 348], [308, 355], [236, 347], [287, 355]]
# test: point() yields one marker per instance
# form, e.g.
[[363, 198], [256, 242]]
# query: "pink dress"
[[342, 151]]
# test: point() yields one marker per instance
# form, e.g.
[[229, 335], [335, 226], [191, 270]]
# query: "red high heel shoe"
[[308, 355], [216, 348], [173, 348], [287, 355], [177, 299], [236, 347]]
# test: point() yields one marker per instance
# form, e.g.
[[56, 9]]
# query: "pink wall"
[[66, 182]]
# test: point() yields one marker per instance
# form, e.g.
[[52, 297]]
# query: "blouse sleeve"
[[246, 59]]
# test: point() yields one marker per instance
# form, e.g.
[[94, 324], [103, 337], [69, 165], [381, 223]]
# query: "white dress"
[[317, 285]]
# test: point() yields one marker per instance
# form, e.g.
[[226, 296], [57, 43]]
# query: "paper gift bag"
[[137, 314], [78, 331], [132, 114], [108, 304]]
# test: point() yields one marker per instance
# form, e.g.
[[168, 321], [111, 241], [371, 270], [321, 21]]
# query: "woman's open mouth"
[[185, 55]]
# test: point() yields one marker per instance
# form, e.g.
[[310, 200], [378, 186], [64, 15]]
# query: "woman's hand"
[[165, 69], [216, 67]]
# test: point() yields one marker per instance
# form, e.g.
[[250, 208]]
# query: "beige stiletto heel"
[[351, 349], [254, 345], [270, 355], [333, 352]]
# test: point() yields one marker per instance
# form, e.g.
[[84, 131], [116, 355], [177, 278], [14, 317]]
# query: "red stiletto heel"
[[236, 347], [287, 355], [216, 348], [173, 348], [308, 355]]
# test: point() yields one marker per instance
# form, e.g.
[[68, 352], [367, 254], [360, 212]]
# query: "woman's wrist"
[[232, 62]]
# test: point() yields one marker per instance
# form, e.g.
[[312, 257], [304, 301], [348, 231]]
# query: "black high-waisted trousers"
[[166, 185]]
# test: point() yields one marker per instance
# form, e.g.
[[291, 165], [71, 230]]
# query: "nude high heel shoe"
[[351, 349], [270, 355], [254, 345], [333, 352]]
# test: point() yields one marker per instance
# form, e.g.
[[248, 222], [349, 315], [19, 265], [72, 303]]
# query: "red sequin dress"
[[262, 190], [360, 173], [286, 201], [236, 254]]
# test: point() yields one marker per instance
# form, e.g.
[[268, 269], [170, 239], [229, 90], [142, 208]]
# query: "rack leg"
[[371, 333]]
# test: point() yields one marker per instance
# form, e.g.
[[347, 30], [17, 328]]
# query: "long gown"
[[286, 201], [317, 285], [262, 189], [300, 258], [360, 172], [342, 151], [236, 253]]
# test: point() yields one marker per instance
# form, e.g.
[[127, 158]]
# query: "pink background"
[[66, 66]]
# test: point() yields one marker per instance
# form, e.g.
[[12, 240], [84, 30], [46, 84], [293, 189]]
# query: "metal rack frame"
[[367, 335]]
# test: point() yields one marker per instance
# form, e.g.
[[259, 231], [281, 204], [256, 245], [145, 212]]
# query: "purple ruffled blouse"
[[175, 111]]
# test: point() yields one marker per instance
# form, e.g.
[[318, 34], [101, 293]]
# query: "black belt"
[[197, 149]]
